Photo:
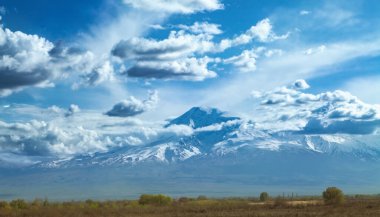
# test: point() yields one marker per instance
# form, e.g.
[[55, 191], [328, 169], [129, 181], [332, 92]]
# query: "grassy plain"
[[355, 206]]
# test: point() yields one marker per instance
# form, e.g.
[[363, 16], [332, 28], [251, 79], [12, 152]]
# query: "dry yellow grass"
[[290, 203], [187, 207]]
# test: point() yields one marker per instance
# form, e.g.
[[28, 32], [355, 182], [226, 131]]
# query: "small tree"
[[18, 204], [159, 199], [183, 200], [4, 205], [333, 196], [201, 197], [264, 196]]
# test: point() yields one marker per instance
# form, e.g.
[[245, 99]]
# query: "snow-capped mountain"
[[217, 136], [222, 156], [198, 117]]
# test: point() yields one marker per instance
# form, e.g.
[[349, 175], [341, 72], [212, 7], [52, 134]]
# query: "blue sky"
[[140, 61], [322, 23]]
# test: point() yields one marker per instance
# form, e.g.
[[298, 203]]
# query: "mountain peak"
[[198, 117]]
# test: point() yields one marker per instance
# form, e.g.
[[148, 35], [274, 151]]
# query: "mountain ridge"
[[217, 135]]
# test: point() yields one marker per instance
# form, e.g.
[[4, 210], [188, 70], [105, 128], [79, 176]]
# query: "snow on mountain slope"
[[163, 152], [216, 136], [353, 146]]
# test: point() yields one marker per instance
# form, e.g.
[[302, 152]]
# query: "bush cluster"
[[264, 196], [333, 196], [158, 200], [18, 204]]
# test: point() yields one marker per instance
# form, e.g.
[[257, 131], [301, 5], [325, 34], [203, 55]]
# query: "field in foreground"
[[183, 207]]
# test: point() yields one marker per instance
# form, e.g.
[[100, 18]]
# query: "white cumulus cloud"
[[203, 27], [262, 31], [245, 62], [327, 112], [33, 61], [132, 106], [301, 84], [183, 54], [99, 74], [71, 110], [24, 60], [176, 6], [40, 138], [186, 68]]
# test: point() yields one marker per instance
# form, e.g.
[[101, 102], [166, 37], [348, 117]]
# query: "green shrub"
[[333, 196], [45, 202], [4, 205], [92, 204], [264, 196], [201, 197], [18, 204], [159, 199], [183, 199], [37, 203]]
